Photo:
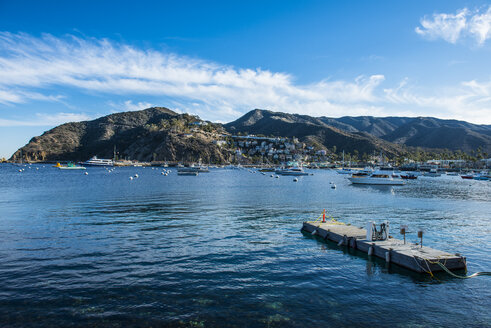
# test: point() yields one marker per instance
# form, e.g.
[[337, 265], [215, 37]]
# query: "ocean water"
[[224, 249]]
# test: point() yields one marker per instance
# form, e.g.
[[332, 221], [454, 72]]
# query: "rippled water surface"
[[225, 249]]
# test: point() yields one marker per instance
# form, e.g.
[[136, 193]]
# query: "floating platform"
[[408, 255]]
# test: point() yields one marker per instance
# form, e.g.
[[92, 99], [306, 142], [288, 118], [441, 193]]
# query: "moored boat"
[[69, 166], [408, 176], [484, 175], [293, 171], [94, 161], [345, 171], [432, 173], [192, 173], [376, 178]]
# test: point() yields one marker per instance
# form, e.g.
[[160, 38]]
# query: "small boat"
[[192, 173], [432, 173], [408, 176], [94, 161], [345, 171], [202, 169], [69, 166], [468, 176], [192, 168], [484, 176], [267, 169], [293, 171], [376, 178]]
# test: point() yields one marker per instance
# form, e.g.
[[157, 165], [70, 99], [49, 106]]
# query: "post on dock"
[[420, 235]]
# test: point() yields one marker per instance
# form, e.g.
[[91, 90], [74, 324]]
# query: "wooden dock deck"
[[409, 255]]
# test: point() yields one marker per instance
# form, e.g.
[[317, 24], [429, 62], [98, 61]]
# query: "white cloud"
[[216, 92], [445, 26], [129, 106], [43, 119], [480, 26], [452, 27], [106, 67], [9, 97], [470, 101]]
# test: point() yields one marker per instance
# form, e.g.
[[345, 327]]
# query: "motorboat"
[[294, 171], [376, 178], [192, 173], [94, 161], [202, 169], [482, 176], [432, 173], [408, 176], [69, 166], [199, 169], [345, 171]]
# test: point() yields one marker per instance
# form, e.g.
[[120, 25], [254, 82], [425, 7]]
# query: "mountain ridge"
[[151, 134], [158, 133], [425, 132]]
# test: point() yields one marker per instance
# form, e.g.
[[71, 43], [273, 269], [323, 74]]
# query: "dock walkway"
[[408, 255]]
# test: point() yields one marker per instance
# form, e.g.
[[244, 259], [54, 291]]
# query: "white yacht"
[[192, 168], [94, 161], [295, 171], [376, 178]]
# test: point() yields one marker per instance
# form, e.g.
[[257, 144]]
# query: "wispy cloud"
[[107, 67], [31, 66], [43, 119], [9, 96], [130, 106], [452, 27]]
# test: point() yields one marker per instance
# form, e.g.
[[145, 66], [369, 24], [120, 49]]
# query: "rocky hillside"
[[369, 133], [311, 130], [152, 134], [162, 135], [424, 132]]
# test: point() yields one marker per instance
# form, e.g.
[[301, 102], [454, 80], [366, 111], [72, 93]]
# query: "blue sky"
[[64, 61]]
